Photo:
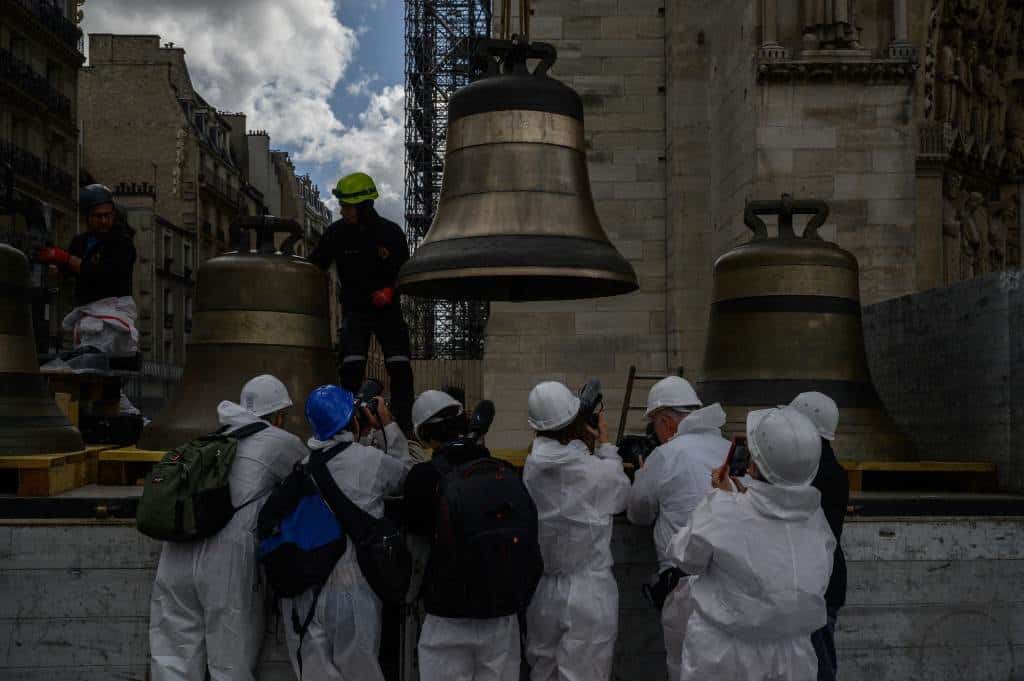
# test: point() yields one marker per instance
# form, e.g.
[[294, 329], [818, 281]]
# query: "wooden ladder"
[[627, 404]]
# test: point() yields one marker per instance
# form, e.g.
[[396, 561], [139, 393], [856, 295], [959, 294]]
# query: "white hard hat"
[[429, 404], [551, 406], [784, 444], [672, 391], [264, 395], [821, 410]]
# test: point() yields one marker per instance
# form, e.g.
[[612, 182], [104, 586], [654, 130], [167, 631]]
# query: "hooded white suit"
[[572, 621], [673, 481], [762, 561], [343, 639], [207, 604]]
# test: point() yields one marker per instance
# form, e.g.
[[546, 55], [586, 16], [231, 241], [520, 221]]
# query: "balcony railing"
[[220, 187], [52, 16], [24, 78], [35, 169]]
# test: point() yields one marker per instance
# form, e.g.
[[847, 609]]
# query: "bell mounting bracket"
[[494, 57], [265, 226], [785, 208]]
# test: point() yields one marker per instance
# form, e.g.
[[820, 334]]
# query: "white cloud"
[[278, 61], [362, 86]]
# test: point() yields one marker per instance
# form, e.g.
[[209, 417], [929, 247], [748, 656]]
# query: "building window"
[[186, 259], [168, 308], [168, 252], [188, 315]]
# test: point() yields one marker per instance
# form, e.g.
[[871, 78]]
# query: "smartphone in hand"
[[738, 459]]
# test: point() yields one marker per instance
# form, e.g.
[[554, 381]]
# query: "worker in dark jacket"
[[367, 252], [834, 486], [102, 258]]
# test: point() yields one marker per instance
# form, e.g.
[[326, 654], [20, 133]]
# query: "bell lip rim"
[[518, 271]]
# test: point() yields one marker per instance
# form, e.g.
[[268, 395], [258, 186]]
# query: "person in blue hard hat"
[[342, 638]]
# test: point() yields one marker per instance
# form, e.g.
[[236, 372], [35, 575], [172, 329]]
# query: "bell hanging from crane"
[[262, 311], [786, 319], [30, 421], [516, 219]]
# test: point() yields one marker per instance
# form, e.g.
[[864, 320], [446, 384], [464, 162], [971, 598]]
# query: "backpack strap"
[[354, 520], [302, 626], [245, 431]]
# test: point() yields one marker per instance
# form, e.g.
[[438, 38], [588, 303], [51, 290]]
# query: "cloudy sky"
[[323, 77]]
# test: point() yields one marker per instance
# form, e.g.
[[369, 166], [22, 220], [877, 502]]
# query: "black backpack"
[[485, 561]]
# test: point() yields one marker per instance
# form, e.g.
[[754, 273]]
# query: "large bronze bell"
[[262, 311], [30, 421], [516, 218], [785, 319]]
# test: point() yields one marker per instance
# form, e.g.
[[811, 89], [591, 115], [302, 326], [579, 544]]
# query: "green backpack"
[[187, 496]]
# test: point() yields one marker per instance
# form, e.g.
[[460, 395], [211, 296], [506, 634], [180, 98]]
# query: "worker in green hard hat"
[[368, 250]]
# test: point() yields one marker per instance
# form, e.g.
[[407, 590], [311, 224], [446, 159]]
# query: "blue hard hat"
[[328, 410]]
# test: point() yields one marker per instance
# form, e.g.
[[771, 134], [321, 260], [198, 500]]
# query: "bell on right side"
[[786, 319]]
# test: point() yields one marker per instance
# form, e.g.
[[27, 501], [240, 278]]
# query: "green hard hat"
[[356, 188]]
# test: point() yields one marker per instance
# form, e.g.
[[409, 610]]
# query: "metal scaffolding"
[[439, 36]]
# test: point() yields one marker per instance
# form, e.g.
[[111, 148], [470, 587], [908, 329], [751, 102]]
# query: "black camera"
[[738, 457], [634, 449], [591, 402], [367, 396]]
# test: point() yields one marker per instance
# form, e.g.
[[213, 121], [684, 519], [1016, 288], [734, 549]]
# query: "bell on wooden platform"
[[261, 311], [516, 219], [30, 420], [785, 319]]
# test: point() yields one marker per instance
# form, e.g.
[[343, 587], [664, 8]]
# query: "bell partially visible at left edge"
[[30, 420]]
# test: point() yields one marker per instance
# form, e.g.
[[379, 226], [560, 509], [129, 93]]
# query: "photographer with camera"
[[759, 554], [484, 558], [668, 485], [572, 622]]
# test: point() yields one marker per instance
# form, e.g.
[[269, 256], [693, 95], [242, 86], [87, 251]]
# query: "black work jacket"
[[367, 257], [108, 261], [834, 486]]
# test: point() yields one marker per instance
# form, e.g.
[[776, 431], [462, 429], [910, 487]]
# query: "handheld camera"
[[635, 449], [591, 401], [367, 396]]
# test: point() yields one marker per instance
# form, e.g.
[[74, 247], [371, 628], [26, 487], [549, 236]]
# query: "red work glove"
[[52, 255], [383, 297]]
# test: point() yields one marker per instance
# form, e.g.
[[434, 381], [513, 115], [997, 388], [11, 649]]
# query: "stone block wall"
[[949, 365], [852, 145], [612, 53]]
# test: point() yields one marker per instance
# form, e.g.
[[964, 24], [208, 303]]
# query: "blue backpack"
[[300, 537]]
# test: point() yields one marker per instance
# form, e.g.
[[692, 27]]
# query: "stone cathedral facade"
[[905, 115]]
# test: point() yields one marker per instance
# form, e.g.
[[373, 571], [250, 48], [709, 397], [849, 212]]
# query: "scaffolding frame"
[[440, 37]]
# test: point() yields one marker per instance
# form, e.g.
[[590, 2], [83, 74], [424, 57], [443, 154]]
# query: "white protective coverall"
[[343, 639], [761, 562], [572, 621], [462, 649], [107, 324], [207, 604], [673, 481]]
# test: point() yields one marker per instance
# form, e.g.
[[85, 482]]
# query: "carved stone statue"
[[1003, 215], [975, 236], [965, 100], [947, 84], [952, 203], [830, 24], [982, 100], [1015, 125]]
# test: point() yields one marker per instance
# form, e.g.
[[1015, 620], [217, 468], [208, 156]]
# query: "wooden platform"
[[126, 465], [952, 476], [30, 475]]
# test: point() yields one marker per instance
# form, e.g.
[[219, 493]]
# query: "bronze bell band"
[[261, 310], [785, 319], [30, 421], [516, 218]]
